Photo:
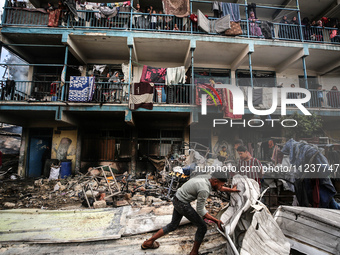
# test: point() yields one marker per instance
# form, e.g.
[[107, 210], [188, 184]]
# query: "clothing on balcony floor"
[[81, 89], [141, 95], [233, 10], [178, 8], [153, 74]]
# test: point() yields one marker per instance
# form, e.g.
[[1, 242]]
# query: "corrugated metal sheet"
[[310, 230]]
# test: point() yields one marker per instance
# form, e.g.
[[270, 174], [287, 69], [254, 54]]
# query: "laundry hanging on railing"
[[233, 10], [217, 9], [107, 12], [175, 75], [53, 18], [71, 4], [81, 89], [141, 96], [227, 106], [213, 26], [153, 74], [178, 8]]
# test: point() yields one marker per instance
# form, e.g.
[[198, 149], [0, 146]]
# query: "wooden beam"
[[279, 13], [239, 59], [76, 52], [17, 50], [187, 58], [290, 60], [331, 66]]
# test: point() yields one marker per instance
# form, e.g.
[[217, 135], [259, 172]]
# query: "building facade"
[[103, 129]]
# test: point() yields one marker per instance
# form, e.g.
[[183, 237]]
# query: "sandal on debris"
[[155, 245]]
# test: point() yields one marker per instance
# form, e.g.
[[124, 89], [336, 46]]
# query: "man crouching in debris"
[[196, 188]]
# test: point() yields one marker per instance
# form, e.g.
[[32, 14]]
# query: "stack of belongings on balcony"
[[81, 89], [213, 26], [313, 186], [155, 84]]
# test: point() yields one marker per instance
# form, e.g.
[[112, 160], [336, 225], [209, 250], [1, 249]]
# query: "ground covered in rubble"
[[68, 194], [178, 242]]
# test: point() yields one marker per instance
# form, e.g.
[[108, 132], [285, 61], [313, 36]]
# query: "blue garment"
[[233, 10], [301, 153]]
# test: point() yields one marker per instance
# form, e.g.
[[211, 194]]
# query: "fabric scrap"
[[179, 8]]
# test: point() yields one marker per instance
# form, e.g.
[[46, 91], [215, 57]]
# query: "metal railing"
[[108, 92], [174, 94], [167, 23], [104, 92]]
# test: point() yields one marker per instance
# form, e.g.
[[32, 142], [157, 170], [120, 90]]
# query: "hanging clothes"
[[71, 4], [252, 8], [81, 88], [217, 9], [227, 105], [266, 29], [153, 74], [53, 18], [107, 12], [141, 96], [175, 76], [233, 10]]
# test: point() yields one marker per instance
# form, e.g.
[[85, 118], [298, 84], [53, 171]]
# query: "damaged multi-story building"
[[255, 47]]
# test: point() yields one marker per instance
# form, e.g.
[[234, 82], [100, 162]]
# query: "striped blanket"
[[141, 95]]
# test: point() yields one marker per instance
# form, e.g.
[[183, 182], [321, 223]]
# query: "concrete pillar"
[[78, 152], [134, 151], [23, 152]]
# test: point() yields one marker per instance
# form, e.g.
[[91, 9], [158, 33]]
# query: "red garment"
[[53, 90], [53, 18], [324, 20]]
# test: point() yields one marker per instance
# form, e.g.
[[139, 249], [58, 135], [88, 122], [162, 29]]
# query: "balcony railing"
[[104, 92], [107, 92], [91, 19]]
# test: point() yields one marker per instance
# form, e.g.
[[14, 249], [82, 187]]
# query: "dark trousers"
[[185, 209]]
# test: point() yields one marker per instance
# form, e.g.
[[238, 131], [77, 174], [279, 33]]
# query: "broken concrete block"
[[138, 198], [89, 193], [94, 172], [56, 187], [151, 199], [77, 188], [120, 203], [127, 196], [38, 183], [62, 187], [99, 204], [9, 205], [30, 188]]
